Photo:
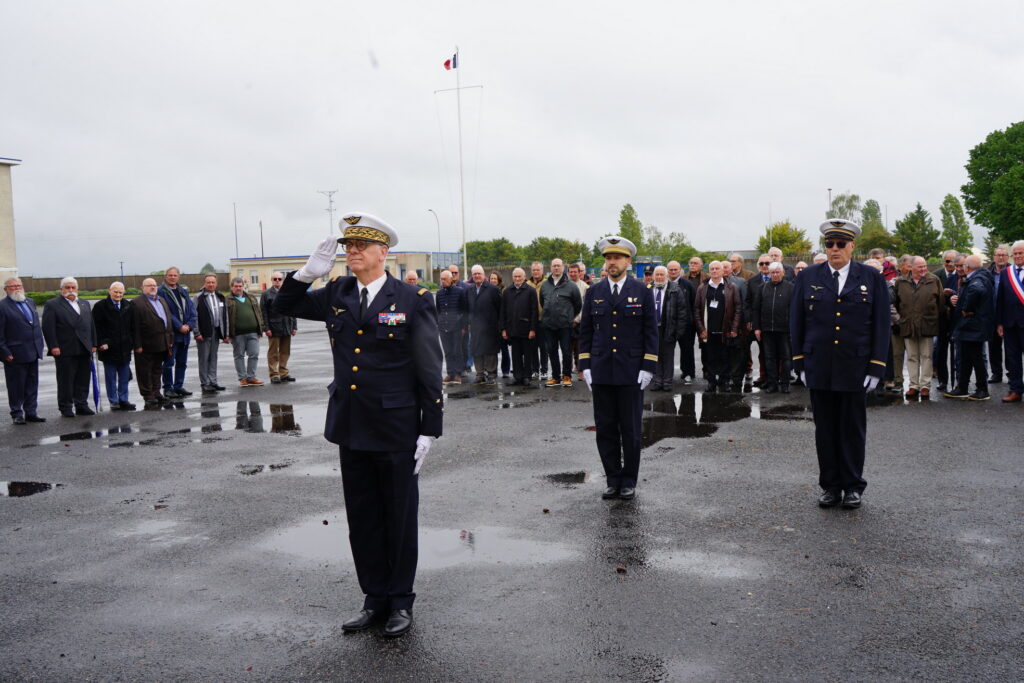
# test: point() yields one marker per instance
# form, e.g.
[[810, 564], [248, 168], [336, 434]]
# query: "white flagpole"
[[462, 184]]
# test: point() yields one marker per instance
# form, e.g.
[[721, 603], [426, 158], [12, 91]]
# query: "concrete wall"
[[8, 256]]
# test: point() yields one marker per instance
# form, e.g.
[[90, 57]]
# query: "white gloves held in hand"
[[320, 262], [587, 378], [644, 379], [423, 444], [870, 382]]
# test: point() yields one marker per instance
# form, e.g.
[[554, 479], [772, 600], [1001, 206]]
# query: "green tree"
[[956, 233], [630, 227], [545, 249], [786, 236], [991, 242], [498, 250], [845, 205], [918, 234], [873, 233], [994, 194], [871, 213], [208, 268]]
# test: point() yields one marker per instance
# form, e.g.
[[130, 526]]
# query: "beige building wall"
[[8, 255], [257, 271]]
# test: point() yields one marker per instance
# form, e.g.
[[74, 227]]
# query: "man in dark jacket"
[[183, 321], [211, 331], [718, 314], [71, 337], [154, 341], [755, 282], [21, 347], [770, 312], [560, 301], [484, 309], [452, 313], [974, 318], [519, 324], [279, 330], [673, 311], [113, 319], [1010, 319]]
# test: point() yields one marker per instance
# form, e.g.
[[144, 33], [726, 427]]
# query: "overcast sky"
[[140, 123]]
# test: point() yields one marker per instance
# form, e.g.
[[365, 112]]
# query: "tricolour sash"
[[1015, 284]]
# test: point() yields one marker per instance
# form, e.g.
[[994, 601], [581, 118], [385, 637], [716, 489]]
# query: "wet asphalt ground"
[[208, 541]]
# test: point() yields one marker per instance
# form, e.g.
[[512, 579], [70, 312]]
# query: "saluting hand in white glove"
[[423, 444], [320, 262], [644, 379]]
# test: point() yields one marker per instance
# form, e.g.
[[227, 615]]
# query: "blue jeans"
[[117, 378], [174, 366]]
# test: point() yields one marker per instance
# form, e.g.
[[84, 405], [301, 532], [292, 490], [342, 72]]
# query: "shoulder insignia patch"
[[423, 290], [335, 278]]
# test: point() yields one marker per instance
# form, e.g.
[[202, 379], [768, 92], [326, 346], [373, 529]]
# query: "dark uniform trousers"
[[619, 432], [840, 429]]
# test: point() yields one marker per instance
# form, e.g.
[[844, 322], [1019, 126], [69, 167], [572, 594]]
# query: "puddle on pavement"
[[784, 412], [569, 480], [709, 565], [250, 470], [20, 489], [251, 416], [698, 415], [83, 436], [438, 548]]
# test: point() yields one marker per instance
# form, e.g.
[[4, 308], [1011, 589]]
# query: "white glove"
[[320, 262], [644, 379], [870, 382], [587, 379], [803, 377], [423, 444]]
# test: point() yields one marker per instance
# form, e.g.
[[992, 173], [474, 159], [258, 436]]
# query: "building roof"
[[6, 161]]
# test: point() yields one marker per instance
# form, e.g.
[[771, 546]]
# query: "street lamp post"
[[829, 202], [438, 221]]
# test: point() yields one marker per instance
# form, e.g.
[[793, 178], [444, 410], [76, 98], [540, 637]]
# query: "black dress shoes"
[[851, 500], [183, 393], [287, 378], [66, 413], [125, 405], [34, 418], [610, 493], [362, 621], [829, 499], [399, 622], [19, 421], [627, 493], [84, 411], [218, 387]]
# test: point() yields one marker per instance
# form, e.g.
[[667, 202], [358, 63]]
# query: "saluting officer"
[[839, 327], [618, 356], [385, 405]]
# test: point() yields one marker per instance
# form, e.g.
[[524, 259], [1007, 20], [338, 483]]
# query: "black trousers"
[[972, 360], [778, 359], [840, 432], [22, 381], [995, 354], [452, 345], [382, 503], [715, 359], [687, 366], [944, 357], [664, 372], [73, 375], [617, 414], [539, 352], [520, 347], [559, 340]]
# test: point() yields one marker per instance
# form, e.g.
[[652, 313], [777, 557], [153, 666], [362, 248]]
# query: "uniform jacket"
[[918, 306], [232, 304], [770, 306], [186, 315], [204, 318], [733, 316], [150, 332], [676, 311], [1009, 308], [279, 325], [519, 311], [114, 329], [618, 338], [560, 303], [839, 338], [452, 308], [975, 316], [73, 333], [19, 337], [387, 364], [484, 310]]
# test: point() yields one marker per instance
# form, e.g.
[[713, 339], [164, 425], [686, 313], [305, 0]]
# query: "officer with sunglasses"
[[839, 328]]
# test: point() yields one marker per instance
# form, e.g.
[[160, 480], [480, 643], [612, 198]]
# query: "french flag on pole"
[[452, 62]]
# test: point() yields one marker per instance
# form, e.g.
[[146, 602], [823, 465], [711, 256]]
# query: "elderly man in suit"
[[518, 324], [113, 319], [1010, 320], [839, 329], [21, 347], [484, 310], [71, 338], [154, 341]]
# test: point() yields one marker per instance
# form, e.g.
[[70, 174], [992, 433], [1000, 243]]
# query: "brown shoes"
[[925, 394], [255, 383], [911, 394], [566, 381], [1012, 397]]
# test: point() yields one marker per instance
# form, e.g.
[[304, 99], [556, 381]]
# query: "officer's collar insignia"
[[598, 301], [817, 287], [352, 220], [613, 240], [337, 310]]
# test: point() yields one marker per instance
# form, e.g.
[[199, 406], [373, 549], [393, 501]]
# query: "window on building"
[[254, 277]]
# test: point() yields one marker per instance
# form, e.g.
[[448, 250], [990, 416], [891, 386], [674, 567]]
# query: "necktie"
[[1020, 274], [615, 289], [363, 302], [26, 310], [835, 274], [764, 278], [657, 306]]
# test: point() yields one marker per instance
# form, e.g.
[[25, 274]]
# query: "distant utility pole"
[[122, 270], [262, 253], [330, 205]]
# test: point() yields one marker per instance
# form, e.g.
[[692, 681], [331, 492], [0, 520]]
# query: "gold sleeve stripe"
[[651, 356], [798, 357], [423, 291], [878, 362], [584, 356]]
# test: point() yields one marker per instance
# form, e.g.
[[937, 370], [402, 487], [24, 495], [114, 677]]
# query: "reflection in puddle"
[[285, 418], [438, 548], [569, 480], [20, 489], [698, 415], [658, 427], [82, 436], [709, 565]]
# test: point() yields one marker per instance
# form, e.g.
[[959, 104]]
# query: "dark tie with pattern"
[[363, 302]]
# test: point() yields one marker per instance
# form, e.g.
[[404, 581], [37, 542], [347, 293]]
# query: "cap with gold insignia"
[[614, 244], [840, 229], [363, 226]]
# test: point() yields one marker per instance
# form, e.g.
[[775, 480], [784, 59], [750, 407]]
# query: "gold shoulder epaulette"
[[335, 278], [422, 290]]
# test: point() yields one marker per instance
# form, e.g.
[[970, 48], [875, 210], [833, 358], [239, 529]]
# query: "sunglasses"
[[841, 244], [762, 263], [949, 260], [277, 279]]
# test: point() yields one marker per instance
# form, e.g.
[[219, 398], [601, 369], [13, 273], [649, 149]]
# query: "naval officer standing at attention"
[[839, 328], [618, 357], [385, 405]]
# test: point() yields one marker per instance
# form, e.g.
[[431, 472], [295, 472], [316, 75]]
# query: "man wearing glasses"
[[384, 410], [839, 327], [279, 330]]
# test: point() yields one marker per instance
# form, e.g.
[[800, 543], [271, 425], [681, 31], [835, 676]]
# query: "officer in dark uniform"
[[839, 327], [618, 356], [385, 405]]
